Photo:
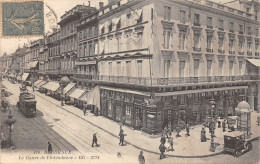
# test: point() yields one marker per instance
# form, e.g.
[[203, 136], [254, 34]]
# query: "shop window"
[[128, 114]]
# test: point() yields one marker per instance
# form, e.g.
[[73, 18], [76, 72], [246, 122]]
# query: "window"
[[209, 65], [128, 17], [240, 64], [110, 27], [128, 114], [118, 26], [140, 18], [220, 43], [209, 21], [139, 39], [220, 67], [196, 19], [248, 10], [240, 44], [249, 45], [139, 68], [166, 39], [110, 68], [182, 69], [249, 30], [167, 13], [128, 43], [118, 68], [102, 30], [90, 49], [182, 36], [166, 68], [209, 41], [182, 17], [85, 50], [231, 26], [221, 24], [196, 67], [231, 68], [256, 46], [256, 32], [118, 42], [128, 68], [241, 29], [196, 40], [96, 30], [231, 44]]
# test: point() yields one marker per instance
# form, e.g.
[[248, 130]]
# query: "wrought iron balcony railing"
[[196, 49], [221, 51], [209, 50]]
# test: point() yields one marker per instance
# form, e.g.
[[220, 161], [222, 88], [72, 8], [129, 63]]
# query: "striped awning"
[[25, 76], [77, 93], [69, 87]]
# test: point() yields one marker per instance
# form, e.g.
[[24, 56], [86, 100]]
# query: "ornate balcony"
[[168, 81], [196, 49], [210, 26], [209, 50], [231, 52], [240, 53], [221, 29], [221, 51], [249, 53], [241, 32], [196, 24]]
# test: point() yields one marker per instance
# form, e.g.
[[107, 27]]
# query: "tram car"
[[27, 104]]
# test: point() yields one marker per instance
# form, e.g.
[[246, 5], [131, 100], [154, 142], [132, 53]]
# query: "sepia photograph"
[[129, 81]]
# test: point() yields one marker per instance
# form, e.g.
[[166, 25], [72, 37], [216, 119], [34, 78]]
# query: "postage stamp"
[[22, 18]]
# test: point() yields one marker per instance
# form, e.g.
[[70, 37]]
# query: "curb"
[[140, 148]]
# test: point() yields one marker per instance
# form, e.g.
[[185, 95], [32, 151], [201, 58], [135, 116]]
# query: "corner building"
[[160, 62]]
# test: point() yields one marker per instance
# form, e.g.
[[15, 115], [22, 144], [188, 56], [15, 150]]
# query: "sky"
[[59, 7]]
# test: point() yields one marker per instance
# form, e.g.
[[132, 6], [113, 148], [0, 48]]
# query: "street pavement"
[[69, 124]]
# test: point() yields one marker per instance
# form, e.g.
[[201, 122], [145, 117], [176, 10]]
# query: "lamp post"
[[212, 125], [10, 121], [63, 82]]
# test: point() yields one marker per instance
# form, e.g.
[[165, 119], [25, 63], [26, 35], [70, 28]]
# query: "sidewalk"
[[186, 147]]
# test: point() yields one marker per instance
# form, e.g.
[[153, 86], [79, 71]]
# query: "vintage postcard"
[[129, 81]]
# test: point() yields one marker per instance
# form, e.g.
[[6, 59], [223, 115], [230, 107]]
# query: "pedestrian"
[[141, 158], [170, 141], [49, 148], [232, 128], [219, 122], [163, 140], [94, 141], [121, 137], [224, 125], [84, 108], [178, 130], [258, 121], [187, 130], [162, 150], [203, 135]]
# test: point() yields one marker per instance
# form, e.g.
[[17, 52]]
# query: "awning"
[[34, 63], [77, 93], [126, 91], [25, 76], [55, 86], [92, 97], [199, 91], [69, 87], [49, 85], [40, 84], [255, 62], [37, 82]]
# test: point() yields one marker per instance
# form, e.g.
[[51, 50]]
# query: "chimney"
[[101, 5], [89, 3]]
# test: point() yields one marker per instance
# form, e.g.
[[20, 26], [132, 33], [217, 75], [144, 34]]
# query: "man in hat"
[[49, 148], [84, 108], [122, 137], [141, 158], [187, 130], [162, 150], [94, 141]]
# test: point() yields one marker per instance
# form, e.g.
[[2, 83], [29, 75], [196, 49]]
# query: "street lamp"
[[10, 121], [64, 81], [212, 125]]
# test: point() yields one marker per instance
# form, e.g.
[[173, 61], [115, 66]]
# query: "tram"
[[27, 104]]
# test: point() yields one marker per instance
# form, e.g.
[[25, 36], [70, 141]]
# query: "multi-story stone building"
[[53, 64], [180, 54], [68, 40], [43, 58], [86, 64]]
